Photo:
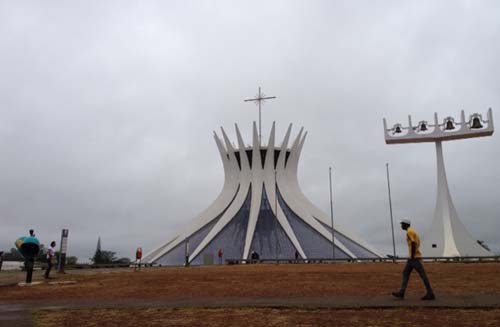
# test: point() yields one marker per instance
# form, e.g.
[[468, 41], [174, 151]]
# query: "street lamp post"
[[331, 214], [276, 211], [390, 211]]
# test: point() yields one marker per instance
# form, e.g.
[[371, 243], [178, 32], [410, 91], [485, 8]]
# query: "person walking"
[[414, 262], [51, 252]]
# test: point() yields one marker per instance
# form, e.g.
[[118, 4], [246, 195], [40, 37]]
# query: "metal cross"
[[259, 98]]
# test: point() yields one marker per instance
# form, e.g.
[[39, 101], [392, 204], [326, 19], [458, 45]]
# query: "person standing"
[[29, 260], [414, 262], [51, 252], [219, 255], [138, 258]]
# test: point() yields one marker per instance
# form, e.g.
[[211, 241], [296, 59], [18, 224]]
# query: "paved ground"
[[19, 313]]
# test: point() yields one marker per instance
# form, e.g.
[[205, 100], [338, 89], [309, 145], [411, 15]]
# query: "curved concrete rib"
[[245, 178], [154, 254], [257, 180], [447, 233], [270, 186]]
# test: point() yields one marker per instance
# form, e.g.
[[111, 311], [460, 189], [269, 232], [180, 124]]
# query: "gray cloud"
[[108, 110]]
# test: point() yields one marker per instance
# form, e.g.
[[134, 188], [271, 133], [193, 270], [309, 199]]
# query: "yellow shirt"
[[412, 236]]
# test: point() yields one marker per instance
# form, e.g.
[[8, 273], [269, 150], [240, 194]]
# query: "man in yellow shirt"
[[414, 262]]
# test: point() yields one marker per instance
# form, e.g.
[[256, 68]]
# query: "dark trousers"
[[417, 265], [49, 267]]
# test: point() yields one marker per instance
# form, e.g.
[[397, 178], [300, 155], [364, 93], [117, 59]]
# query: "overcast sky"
[[108, 108]]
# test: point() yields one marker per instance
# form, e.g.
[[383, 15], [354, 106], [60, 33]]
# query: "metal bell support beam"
[[438, 132]]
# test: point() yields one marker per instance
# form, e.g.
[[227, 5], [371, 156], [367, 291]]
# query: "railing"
[[354, 260], [41, 266], [97, 266]]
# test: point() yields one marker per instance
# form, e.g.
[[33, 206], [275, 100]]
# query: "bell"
[[423, 126], [476, 123], [449, 125], [397, 129]]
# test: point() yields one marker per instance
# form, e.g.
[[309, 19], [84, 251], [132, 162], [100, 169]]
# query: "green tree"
[[108, 256], [13, 255], [97, 258], [102, 256]]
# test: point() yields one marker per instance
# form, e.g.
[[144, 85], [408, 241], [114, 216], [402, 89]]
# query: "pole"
[[260, 120], [276, 211], [331, 214], [29, 263], [62, 250], [186, 251], [390, 210]]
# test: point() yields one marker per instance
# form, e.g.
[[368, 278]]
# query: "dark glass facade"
[[176, 256], [312, 242], [231, 240], [354, 247], [270, 240]]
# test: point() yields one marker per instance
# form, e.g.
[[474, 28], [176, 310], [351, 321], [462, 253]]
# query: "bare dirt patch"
[[261, 280], [266, 317]]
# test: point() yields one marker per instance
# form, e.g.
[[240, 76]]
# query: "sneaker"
[[429, 297], [398, 295]]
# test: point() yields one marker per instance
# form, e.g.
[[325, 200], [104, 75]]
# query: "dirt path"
[[466, 301]]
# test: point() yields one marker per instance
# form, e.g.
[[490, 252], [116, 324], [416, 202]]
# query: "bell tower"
[[447, 236]]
